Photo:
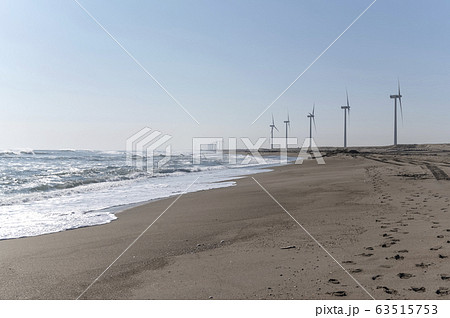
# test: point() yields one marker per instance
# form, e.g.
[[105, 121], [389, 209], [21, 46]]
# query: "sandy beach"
[[382, 213]]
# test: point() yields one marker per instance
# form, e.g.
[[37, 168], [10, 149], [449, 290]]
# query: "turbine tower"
[[272, 126], [311, 120], [346, 109], [288, 125], [395, 97]]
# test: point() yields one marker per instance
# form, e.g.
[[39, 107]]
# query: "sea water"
[[47, 191]]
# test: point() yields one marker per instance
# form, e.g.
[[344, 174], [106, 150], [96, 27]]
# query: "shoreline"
[[126, 207], [381, 219]]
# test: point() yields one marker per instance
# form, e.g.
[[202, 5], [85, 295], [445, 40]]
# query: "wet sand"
[[382, 213]]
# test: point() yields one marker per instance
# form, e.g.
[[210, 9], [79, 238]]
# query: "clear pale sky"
[[65, 84]]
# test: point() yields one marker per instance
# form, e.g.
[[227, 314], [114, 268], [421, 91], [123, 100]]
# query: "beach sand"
[[382, 213]]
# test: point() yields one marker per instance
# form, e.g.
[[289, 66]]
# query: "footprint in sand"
[[348, 262], [376, 277], [387, 290], [405, 275], [397, 257], [443, 291], [333, 281], [418, 289], [445, 277], [365, 254], [423, 265], [340, 293], [356, 270], [443, 256], [389, 244], [435, 248]]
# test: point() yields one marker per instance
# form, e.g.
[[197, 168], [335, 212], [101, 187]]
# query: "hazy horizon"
[[67, 85]]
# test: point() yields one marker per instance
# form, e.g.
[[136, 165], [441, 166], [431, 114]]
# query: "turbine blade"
[[400, 100], [314, 106], [401, 107], [348, 104], [275, 127], [348, 117], [314, 121], [273, 121]]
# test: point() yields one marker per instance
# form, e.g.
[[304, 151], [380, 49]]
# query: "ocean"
[[47, 191]]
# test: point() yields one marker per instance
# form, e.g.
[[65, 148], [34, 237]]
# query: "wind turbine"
[[272, 126], [311, 120], [346, 110], [395, 97], [288, 124]]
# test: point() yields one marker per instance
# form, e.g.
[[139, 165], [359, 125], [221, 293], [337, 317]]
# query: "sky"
[[65, 84]]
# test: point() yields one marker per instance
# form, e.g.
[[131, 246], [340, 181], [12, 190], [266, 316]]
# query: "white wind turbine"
[[311, 120], [288, 125], [272, 127], [395, 97], [346, 110]]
